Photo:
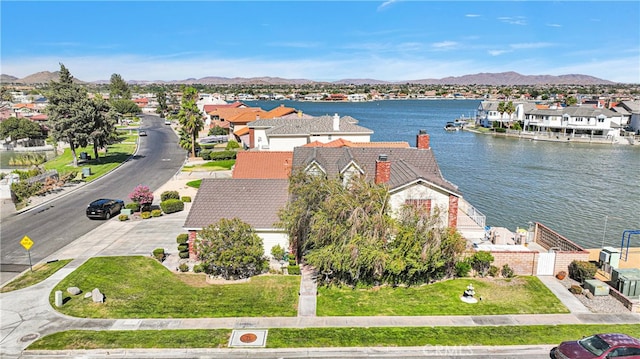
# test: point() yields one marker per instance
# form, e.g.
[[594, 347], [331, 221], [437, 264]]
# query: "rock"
[[88, 294], [74, 290], [96, 296]]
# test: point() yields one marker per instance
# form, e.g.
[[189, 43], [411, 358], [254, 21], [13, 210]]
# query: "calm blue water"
[[572, 188]]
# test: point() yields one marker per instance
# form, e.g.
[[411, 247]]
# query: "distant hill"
[[493, 79]]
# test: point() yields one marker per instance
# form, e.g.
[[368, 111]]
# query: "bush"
[[292, 261], [277, 252], [156, 213], [493, 271], [141, 194], [145, 215], [135, 207], [582, 270], [463, 268], [481, 262], [183, 247], [294, 270], [186, 199], [184, 267], [182, 238], [506, 271], [575, 289], [169, 195], [222, 155], [232, 145], [123, 217], [159, 254], [184, 255], [172, 206], [198, 268], [23, 190]]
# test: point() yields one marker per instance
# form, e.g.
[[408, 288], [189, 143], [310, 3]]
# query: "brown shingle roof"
[[254, 201], [407, 164], [263, 164]]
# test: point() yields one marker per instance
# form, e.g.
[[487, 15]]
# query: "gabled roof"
[[309, 126], [213, 107], [39, 117], [341, 142], [241, 131], [263, 164], [254, 201], [280, 111], [408, 165]]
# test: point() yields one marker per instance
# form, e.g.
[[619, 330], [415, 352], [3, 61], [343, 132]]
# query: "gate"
[[546, 263]]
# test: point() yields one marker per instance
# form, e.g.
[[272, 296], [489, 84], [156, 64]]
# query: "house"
[[262, 164], [574, 121], [286, 133], [254, 201], [341, 142]]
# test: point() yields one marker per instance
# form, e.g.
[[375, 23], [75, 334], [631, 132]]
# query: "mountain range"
[[492, 79]]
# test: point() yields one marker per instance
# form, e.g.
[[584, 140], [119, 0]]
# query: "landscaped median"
[[330, 337]]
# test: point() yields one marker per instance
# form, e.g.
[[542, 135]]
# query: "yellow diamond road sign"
[[26, 242]]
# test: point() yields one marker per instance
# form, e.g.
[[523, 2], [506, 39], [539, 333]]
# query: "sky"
[[323, 41]]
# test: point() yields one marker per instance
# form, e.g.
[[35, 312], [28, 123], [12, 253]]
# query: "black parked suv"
[[104, 208]]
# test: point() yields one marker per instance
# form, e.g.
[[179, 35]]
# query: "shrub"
[[277, 252], [23, 190], [575, 289], [294, 270], [156, 213], [481, 262], [123, 217], [183, 247], [506, 271], [159, 254], [141, 194], [184, 255], [169, 195], [493, 271], [232, 145], [292, 261], [145, 215], [198, 268], [222, 155], [172, 206], [186, 199], [582, 270], [184, 267], [135, 207], [463, 268], [182, 238]]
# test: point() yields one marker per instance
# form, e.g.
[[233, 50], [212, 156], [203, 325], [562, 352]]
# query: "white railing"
[[470, 211]]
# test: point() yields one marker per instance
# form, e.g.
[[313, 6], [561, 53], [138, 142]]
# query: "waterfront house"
[[574, 121], [287, 132]]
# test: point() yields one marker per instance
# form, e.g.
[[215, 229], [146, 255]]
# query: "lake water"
[[575, 189]]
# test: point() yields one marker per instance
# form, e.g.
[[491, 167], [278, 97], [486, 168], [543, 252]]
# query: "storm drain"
[[256, 338]]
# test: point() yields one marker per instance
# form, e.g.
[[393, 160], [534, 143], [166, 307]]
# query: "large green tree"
[[66, 110], [161, 97], [118, 88], [103, 124], [230, 248], [190, 117], [17, 128]]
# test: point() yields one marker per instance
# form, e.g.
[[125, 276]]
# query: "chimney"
[[422, 141], [336, 122], [257, 117], [383, 169]]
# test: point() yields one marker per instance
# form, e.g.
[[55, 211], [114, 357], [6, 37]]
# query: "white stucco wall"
[[421, 191], [272, 238], [286, 143]]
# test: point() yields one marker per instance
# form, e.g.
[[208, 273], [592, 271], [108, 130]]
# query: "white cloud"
[[444, 45], [498, 52], [472, 15], [530, 45], [386, 4], [517, 20], [554, 25]]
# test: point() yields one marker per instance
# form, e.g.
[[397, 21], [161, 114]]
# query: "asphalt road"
[[53, 225]]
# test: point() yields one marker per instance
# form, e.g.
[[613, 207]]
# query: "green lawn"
[[141, 287], [39, 273], [330, 337], [519, 295], [116, 154], [210, 166]]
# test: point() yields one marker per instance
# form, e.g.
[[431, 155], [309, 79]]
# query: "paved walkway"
[[26, 314]]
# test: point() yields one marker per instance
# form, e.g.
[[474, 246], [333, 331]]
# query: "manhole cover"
[[248, 338], [29, 337]]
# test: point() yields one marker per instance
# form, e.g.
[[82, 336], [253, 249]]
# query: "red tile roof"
[[346, 143], [263, 164]]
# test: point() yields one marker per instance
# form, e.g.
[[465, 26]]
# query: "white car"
[[167, 122]]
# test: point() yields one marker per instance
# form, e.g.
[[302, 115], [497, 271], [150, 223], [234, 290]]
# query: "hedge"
[[172, 206]]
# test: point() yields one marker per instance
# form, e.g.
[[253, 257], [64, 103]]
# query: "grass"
[[141, 287], [519, 295], [40, 272], [210, 166], [194, 184], [116, 154], [331, 337]]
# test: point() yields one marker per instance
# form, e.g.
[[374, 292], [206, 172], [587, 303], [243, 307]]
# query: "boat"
[[452, 126]]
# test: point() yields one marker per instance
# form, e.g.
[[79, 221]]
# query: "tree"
[[118, 88], [502, 108], [141, 195], [17, 128], [103, 120], [125, 106], [162, 108], [190, 117], [66, 111], [509, 108], [230, 248]]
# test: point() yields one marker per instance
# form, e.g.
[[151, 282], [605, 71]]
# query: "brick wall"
[[453, 211], [563, 259], [522, 263], [632, 305]]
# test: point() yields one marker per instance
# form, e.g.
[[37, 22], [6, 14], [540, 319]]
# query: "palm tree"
[[190, 117]]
